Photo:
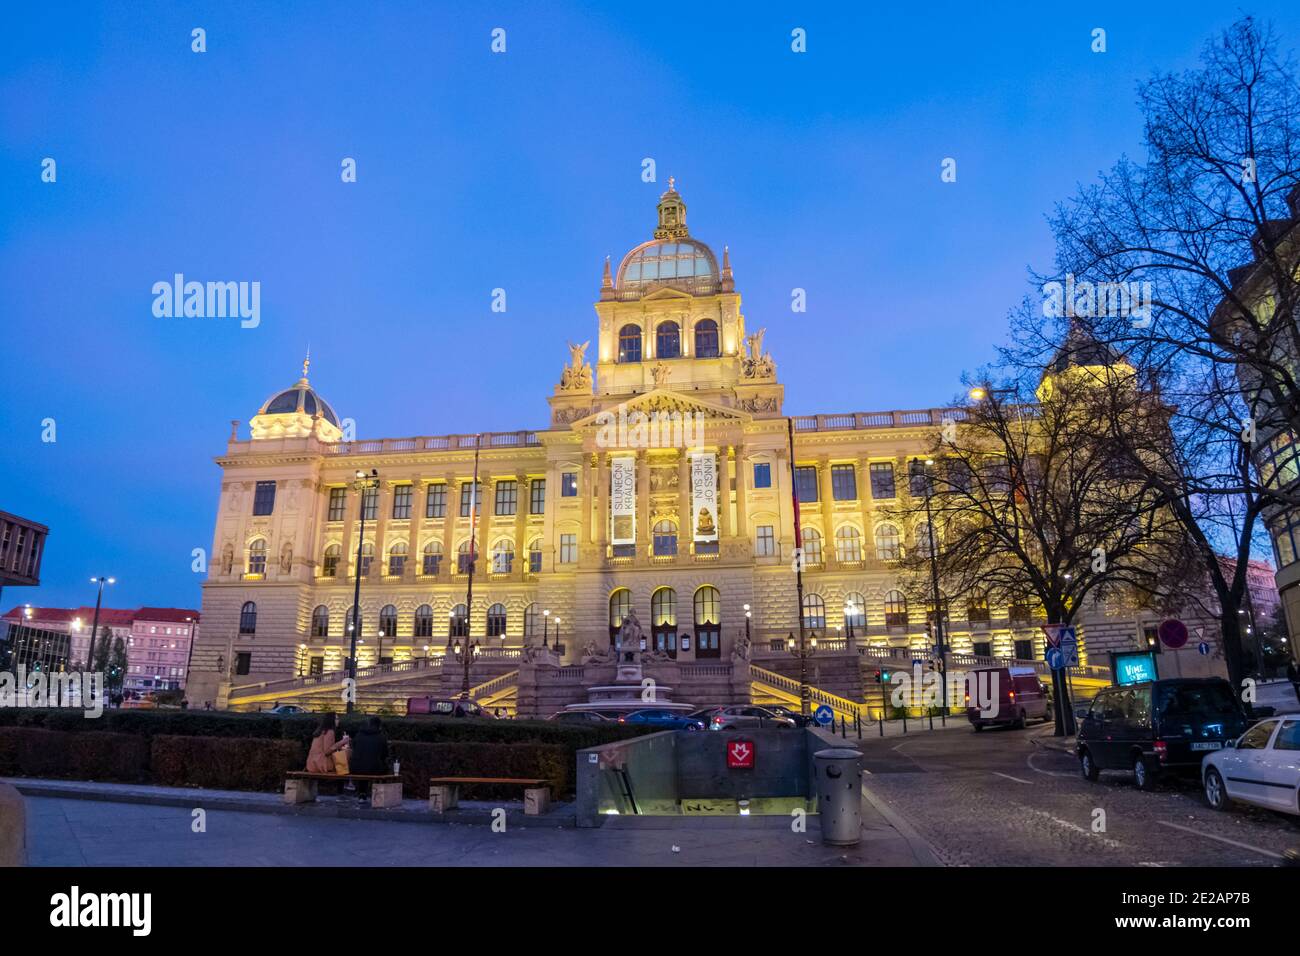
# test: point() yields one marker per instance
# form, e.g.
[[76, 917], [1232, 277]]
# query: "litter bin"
[[839, 795]]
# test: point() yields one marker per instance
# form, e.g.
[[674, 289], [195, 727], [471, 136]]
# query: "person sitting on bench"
[[370, 753], [320, 759]]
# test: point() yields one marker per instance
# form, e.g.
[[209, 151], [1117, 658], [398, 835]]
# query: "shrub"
[[224, 763], [33, 752], [420, 761]]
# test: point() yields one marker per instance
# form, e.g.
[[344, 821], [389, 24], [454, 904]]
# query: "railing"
[[857, 421], [384, 446], [1091, 671], [336, 676], [495, 684], [705, 670], [791, 686]]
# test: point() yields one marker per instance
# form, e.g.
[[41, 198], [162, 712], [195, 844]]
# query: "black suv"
[[1157, 727]]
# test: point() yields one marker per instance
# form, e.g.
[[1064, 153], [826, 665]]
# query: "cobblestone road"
[[1008, 797]]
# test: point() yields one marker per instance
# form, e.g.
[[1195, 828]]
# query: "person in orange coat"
[[322, 757]]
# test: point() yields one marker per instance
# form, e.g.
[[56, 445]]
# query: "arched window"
[[257, 558], [814, 612], [706, 339], [397, 560], [459, 621], [496, 621], [388, 621], [812, 546], [855, 611], [923, 539], [463, 557], [887, 543], [663, 620], [629, 344], [895, 609], [929, 609], [248, 618], [708, 622], [432, 558], [350, 619], [503, 556], [665, 538], [320, 621], [329, 566], [535, 556], [367, 556], [620, 602], [668, 340], [848, 544], [227, 559], [532, 621], [423, 621]]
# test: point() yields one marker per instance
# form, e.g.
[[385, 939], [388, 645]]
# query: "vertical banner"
[[704, 496], [622, 500]]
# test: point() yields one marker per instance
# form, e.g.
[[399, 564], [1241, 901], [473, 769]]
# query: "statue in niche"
[[660, 372], [630, 636], [755, 364]]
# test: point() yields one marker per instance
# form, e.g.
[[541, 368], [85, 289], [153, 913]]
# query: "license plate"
[[1208, 746]]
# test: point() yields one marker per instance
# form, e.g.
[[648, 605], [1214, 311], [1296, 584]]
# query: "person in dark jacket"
[[370, 753], [1293, 675]]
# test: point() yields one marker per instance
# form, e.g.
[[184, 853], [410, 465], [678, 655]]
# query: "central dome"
[[672, 259]]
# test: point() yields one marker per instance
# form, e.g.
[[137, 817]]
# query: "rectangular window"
[[264, 498], [569, 484], [844, 483], [507, 497], [476, 489], [435, 505], [568, 549], [763, 475], [243, 662], [338, 504], [882, 480], [805, 483], [765, 543], [370, 504], [537, 496], [402, 501]]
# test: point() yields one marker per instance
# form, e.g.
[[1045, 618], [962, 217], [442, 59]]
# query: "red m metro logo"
[[740, 755]]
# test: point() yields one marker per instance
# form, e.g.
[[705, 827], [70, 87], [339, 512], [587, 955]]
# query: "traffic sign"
[[824, 715], [740, 755], [1204, 648], [1055, 658], [1070, 647], [1172, 633], [1055, 633]]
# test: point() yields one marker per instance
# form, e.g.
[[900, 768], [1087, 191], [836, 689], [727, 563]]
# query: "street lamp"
[[850, 612], [922, 468], [804, 691], [546, 627], [557, 631], [748, 615], [101, 580], [363, 484], [469, 580]]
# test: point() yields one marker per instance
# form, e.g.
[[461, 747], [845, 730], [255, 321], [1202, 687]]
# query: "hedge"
[[223, 763], [31, 752], [420, 761]]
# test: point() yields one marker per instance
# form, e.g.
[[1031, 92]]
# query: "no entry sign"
[[1173, 633], [740, 755]]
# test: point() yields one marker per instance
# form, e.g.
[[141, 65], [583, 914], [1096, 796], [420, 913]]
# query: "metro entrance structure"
[[661, 486]]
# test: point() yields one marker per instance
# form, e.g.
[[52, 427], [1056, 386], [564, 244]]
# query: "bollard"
[[904, 720], [841, 726], [881, 720], [932, 720], [857, 720], [839, 795]]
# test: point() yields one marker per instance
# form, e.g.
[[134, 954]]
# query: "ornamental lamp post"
[[468, 656], [546, 627], [922, 469], [363, 484]]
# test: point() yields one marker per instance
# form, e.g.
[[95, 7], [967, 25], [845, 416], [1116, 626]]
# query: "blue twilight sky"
[[520, 171]]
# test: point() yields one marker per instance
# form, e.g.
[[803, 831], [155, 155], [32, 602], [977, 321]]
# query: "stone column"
[[602, 500], [827, 508], [415, 548], [865, 505], [724, 493], [743, 473], [351, 511], [383, 514], [316, 538], [522, 497], [449, 526]]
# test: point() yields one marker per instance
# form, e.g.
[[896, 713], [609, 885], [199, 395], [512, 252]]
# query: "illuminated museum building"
[[698, 527]]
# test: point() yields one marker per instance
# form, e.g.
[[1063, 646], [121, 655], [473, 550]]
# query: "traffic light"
[[877, 677], [884, 677]]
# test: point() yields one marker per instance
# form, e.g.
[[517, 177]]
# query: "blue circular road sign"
[[824, 715]]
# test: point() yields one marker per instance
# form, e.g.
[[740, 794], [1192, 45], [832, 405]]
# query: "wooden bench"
[[300, 786], [444, 792]]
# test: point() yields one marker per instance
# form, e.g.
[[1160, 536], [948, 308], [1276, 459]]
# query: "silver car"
[[737, 716]]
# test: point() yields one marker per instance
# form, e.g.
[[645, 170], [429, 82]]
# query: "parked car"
[[798, 718], [664, 719], [1019, 694], [578, 717], [286, 709], [736, 716], [1158, 727], [445, 707], [1261, 767]]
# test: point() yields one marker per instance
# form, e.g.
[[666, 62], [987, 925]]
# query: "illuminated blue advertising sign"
[[1134, 668]]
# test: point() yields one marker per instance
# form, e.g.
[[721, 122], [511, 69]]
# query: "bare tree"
[[1032, 504]]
